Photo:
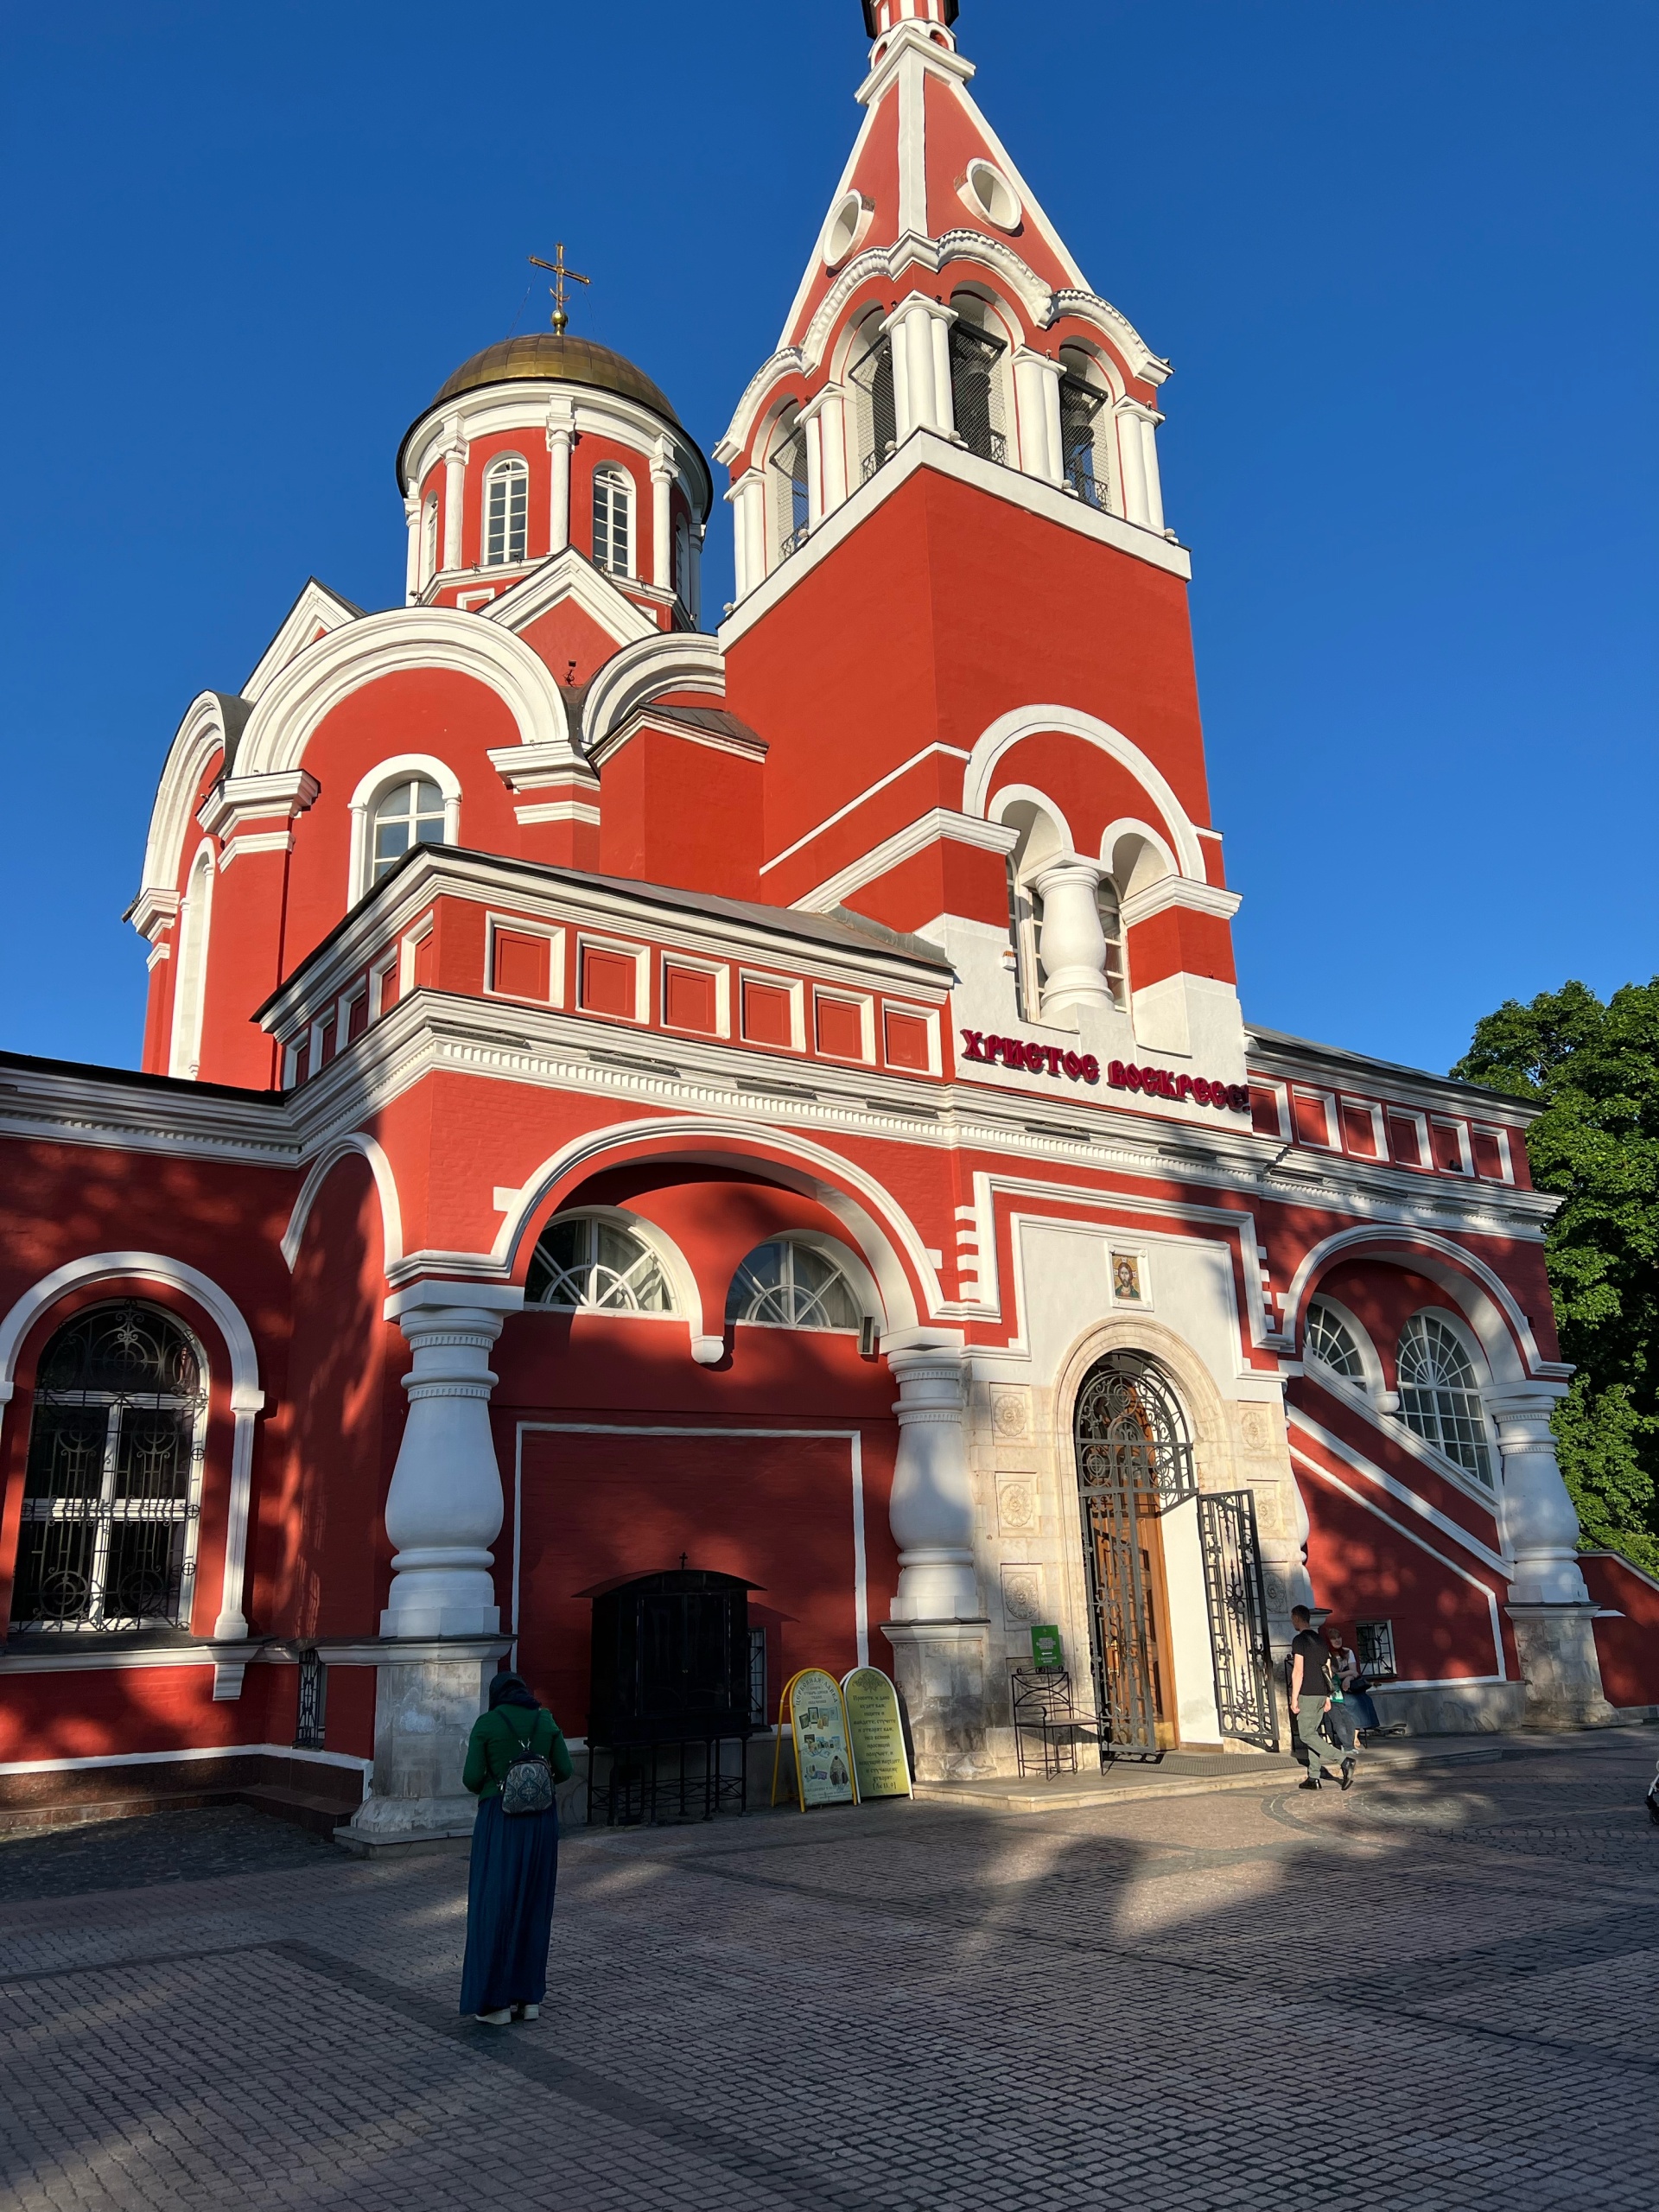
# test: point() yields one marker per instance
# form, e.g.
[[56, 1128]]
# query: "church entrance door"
[[1135, 1461]]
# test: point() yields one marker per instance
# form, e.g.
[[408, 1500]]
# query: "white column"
[[1073, 942], [920, 331], [454, 489], [412, 560], [1540, 1528], [1149, 422], [1037, 394], [810, 423], [662, 552], [748, 504], [561, 434], [1132, 464], [898, 335], [245, 1402], [943, 410], [932, 1511], [444, 1509]]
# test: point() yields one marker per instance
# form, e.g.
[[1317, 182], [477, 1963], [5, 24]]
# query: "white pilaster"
[[412, 560], [748, 499], [454, 491], [1073, 942], [662, 557], [832, 404], [1037, 396], [932, 1511], [1132, 463], [561, 434], [1149, 422], [920, 332], [444, 1507]]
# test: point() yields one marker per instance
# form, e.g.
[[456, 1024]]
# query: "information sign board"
[[1046, 1650], [881, 1767], [811, 1711]]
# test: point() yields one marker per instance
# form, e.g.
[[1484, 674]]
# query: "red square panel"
[[767, 1014], [690, 999], [607, 982]]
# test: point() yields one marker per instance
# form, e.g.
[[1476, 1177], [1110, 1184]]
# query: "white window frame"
[[1425, 1151], [679, 1279], [1458, 1327], [1368, 1386], [1500, 1137], [853, 1270], [408, 945], [1466, 1150], [506, 468], [401, 768], [614, 473], [1379, 1131], [722, 976], [589, 940], [1327, 1100], [386, 966], [866, 1007], [1280, 1093], [797, 991], [514, 926]]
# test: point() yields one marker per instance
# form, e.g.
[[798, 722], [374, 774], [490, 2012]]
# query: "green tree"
[[1595, 1069]]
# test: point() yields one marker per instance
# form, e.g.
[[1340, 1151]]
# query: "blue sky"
[[1402, 256]]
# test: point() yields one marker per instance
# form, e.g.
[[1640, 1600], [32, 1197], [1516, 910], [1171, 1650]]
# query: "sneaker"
[[501, 2019], [1310, 1784]]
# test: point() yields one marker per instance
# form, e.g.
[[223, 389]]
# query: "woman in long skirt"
[[515, 1861]]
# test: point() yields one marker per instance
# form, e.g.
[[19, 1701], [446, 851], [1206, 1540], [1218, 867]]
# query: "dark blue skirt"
[[509, 1908]]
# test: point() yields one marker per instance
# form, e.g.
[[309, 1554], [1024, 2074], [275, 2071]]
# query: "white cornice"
[[569, 575], [939, 822], [673, 660], [531, 406], [99, 1107], [925, 449], [664, 718], [1179, 891], [537, 767], [237, 799]]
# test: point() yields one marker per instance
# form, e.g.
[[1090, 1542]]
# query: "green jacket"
[[497, 1739]]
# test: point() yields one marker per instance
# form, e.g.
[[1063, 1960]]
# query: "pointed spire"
[[881, 16]]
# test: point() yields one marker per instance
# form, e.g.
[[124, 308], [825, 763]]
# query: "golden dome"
[[543, 355]]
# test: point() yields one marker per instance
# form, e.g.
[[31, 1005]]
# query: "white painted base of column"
[[1561, 1666], [427, 1697], [940, 1668]]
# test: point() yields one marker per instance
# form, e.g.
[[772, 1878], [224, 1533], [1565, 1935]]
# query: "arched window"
[[506, 504], [1112, 928], [976, 379], [871, 378], [1132, 1436], [429, 539], [613, 521], [583, 1264], [190, 984], [786, 474], [111, 1493], [407, 814], [1332, 1342], [794, 1286], [1440, 1394], [1086, 423]]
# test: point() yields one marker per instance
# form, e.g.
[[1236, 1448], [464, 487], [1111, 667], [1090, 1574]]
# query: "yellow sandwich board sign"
[[880, 1768], [812, 1714]]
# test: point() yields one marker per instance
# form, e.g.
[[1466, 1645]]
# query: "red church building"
[[620, 1086]]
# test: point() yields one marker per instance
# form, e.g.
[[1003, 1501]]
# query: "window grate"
[[309, 1727], [976, 391], [1374, 1648]]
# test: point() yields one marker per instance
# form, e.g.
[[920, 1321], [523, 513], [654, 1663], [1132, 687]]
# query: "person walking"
[[515, 1756], [1309, 1694]]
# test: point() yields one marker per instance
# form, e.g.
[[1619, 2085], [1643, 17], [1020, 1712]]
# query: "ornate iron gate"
[[1134, 1462], [1238, 1618]]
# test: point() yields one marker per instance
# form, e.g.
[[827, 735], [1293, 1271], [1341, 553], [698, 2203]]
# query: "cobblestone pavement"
[[1437, 1992]]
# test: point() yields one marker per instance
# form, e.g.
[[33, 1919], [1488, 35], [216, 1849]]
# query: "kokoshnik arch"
[[778, 1093]]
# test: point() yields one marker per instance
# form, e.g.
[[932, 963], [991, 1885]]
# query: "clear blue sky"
[[1402, 256]]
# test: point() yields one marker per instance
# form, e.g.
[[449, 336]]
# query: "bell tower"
[[960, 618]]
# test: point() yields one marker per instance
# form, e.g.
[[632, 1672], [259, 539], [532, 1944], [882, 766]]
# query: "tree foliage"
[[1595, 1070]]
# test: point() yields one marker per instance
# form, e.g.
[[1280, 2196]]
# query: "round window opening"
[[849, 220], [991, 195]]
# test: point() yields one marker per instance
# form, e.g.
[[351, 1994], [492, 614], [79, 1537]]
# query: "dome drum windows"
[[1440, 1394], [506, 509], [586, 1263], [787, 1284], [614, 520], [112, 1489]]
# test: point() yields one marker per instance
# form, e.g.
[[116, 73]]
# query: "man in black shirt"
[[1311, 1685]]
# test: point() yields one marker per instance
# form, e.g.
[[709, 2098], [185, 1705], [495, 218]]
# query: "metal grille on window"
[[871, 377], [613, 516], [1080, 405], [976, 390], [758, 1717], [1440, 1395], [597, 1266], [792, 1287], [409, 814], [506, 505], [1237, 1600], [790, 498], [1374, 1648], [1332, 1342], [310, 1724], [1112, 928], [110, 1495]]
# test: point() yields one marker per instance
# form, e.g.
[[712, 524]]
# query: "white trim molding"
[[1010, 729], [399, 766], [245, 1395], [937, 824], [385, 1183]]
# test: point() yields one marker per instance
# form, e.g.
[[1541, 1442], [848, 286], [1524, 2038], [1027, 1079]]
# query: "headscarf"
[[510, 1689]]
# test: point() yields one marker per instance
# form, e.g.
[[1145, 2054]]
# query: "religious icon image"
[[1125, 1278]]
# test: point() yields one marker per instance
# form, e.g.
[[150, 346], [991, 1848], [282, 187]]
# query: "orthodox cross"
[[555, 290]]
